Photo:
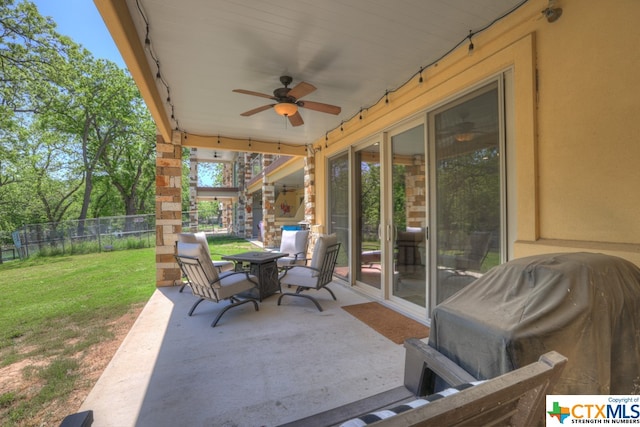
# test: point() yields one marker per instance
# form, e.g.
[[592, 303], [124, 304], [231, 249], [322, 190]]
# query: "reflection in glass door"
[[409, 216], [467, 189], [368, 216], [338, 184]]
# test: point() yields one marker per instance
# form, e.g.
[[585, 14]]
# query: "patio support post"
[[226, 207], [416, 197], [241, 212], [168, 208], [310, 194], [193, 190], [248, 222], [268, 206]]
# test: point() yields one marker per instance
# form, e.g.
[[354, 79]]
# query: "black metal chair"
[[317, 275], [206, 283], [201, 238]]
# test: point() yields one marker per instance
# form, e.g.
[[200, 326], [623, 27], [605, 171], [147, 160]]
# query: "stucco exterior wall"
[[575, 122]]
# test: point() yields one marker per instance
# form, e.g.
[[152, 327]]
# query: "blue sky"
[[80, 20]]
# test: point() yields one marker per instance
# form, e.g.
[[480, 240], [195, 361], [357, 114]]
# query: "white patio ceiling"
[[352, 51]]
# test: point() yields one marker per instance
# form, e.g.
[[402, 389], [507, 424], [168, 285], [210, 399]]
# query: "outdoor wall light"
[[286, 109], [552, 13]]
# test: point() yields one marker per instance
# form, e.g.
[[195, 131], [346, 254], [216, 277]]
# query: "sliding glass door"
[[408, 201], [368, 216], [338, 214], [423, 204], [467, 188]]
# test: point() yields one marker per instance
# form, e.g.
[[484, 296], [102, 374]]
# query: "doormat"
[[387, 322]]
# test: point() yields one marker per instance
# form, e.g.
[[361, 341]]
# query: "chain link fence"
[[93, 235], [86, 236]]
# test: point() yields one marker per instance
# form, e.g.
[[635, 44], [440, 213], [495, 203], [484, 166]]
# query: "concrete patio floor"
[[260, 368]]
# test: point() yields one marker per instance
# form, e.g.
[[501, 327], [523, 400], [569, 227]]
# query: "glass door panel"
[[409, 216], [467, 189], [368, 252], [339, 209]]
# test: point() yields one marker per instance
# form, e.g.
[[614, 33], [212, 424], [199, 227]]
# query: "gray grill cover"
[[585, 306]]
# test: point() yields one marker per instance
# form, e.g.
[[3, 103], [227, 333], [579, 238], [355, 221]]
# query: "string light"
[[470, 49], [149, 48], [550, 13]]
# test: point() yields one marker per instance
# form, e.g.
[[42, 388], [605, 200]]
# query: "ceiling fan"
[[288, 101]]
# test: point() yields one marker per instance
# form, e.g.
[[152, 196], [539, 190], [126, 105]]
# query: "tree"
[[52, 177], [61, 107], [101, 106], [128, 161], [30, 55]]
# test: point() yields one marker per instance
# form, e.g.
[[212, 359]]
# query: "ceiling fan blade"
[[296, 119], [257, 110], [319, 106], [250, 92], [301, 89]]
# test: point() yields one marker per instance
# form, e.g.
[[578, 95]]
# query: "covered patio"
[[254, 369], [562, 75]]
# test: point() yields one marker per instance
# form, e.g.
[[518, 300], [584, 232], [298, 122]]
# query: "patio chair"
[[516, 398], [208, 284], [294, 244], [201, 238], [317, 275]]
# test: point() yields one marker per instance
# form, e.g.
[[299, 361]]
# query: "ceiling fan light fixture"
[[464, 137], [465, 132], [287, 109]]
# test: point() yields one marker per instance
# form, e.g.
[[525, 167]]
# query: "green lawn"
[[54, 309]]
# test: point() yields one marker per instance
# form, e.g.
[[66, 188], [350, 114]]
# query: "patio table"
[[262, 265]]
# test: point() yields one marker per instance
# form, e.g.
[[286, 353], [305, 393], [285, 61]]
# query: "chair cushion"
[[294, 241], [195, 250], [232, 283], [201, 238], [300, 276], [320, 248], [372, 417]]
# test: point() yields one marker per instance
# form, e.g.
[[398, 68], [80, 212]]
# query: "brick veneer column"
[[268, 206], [310, 187], [310, 198], [226, 207], [416, 195], [241, 212], [248, 218], [193, 190], [168, 208]]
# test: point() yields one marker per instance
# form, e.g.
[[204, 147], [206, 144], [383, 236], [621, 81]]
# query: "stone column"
[[310, 198], [416, 194], [269, 232], [310, 187], [168, 208], [268, 214], [248, 218], [193, 190], [226, 208], [241, 212]]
